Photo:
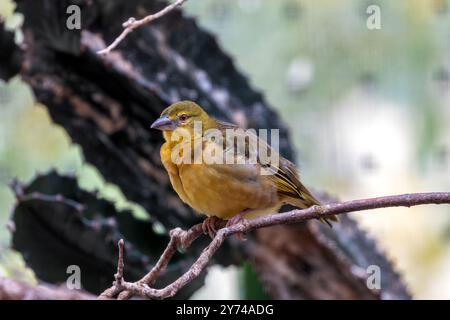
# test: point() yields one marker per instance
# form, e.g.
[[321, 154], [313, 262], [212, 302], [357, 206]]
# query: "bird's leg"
[[236, 220], [209, 226]]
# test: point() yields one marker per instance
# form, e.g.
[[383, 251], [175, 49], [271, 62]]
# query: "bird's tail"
[[308, 200]]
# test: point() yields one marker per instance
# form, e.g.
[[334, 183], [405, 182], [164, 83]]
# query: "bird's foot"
[[209, 226], [237, 219]]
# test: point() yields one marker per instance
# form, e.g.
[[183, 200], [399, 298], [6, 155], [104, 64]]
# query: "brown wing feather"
[[286, 178]]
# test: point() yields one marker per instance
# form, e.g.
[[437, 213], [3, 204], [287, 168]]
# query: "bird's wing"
[[282, 172], [222, 125]]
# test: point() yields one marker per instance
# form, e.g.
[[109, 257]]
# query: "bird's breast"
[[224, 190]]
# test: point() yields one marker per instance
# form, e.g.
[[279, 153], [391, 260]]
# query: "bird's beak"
[[164, 123]]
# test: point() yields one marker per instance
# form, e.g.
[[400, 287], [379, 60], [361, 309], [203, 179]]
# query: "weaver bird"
[[229, 191]]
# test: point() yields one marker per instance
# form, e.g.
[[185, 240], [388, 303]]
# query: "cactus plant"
[[57, 224]]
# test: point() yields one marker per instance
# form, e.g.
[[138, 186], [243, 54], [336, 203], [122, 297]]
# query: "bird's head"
[[182, 114]]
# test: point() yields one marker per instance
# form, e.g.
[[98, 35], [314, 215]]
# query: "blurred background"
[[369, 112]]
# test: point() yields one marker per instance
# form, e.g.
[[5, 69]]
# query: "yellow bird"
[[195, 155]]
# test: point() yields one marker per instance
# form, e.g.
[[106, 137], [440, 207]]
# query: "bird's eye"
[[183, 117]]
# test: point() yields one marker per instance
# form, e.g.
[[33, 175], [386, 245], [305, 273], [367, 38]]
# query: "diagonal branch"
[[180, 238], [132, 24]]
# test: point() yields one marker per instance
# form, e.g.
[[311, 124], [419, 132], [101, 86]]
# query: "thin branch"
[[178, 239], [18, 290], [119, 274], [182, 238], [118, 282], [132, 24]]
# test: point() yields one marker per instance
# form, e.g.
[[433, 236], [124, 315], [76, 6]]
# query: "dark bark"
[[55, 224], [10, 57], [106, 106]]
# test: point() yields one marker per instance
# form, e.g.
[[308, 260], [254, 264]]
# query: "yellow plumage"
[[225, 190]]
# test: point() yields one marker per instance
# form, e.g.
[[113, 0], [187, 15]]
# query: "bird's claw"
[[237, 219], [210, 223], [209, 226], [234, 220]]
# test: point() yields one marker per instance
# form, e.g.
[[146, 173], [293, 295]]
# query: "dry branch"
[[132, 24], [180, 238]]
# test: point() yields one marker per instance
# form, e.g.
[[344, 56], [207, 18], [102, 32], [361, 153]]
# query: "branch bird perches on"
[[180, 238]]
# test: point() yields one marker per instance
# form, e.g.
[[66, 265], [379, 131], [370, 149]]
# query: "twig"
[[179, 237], [118, 282], [132, 24], [119, 274]]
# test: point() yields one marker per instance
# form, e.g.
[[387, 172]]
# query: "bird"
[[243, 188]]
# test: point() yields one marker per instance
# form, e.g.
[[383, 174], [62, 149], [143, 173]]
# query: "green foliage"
[[13, 20], [250, 285]]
